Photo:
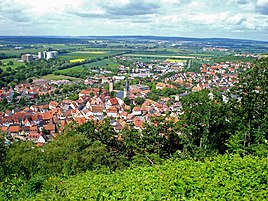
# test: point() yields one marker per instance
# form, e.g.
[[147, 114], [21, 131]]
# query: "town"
[[99, 98]]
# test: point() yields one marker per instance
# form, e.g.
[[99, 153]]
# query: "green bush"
[[228, 177]]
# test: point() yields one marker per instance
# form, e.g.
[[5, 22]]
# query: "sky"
[[245, 19]]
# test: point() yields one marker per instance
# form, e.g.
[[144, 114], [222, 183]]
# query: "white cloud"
[[262, 6], [193, 18], [236, 19]]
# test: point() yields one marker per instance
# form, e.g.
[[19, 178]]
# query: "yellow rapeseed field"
[[77, 60], [175, 60]]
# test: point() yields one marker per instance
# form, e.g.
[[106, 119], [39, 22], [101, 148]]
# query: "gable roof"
[[33, 128], [137, 122], [4, 129], [80, 120], [49, 127], [47, 115], [114, 101], [14, 129], [137, 109], [97, 109]]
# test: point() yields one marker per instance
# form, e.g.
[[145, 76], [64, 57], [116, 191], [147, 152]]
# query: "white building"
[[41, 55], [48, 55]]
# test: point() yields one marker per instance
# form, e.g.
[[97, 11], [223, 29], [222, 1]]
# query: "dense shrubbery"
[[227, 177]]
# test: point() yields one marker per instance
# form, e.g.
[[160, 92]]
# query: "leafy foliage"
[[223, 177]]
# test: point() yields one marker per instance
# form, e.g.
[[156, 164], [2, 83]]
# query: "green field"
[[22, 51], [85, 55], [75, 55], [143, 59], [104, 64], [198, 55], [59, 77], [15, 65], [69, 71], [107, 63], [160, 56]]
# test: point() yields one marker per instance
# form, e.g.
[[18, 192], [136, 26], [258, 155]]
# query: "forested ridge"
[[216, 149]]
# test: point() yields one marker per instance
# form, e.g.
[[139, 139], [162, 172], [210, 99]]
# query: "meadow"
[[88, 54], [105, 64], [159, 56], [15, 61], [59, 77]]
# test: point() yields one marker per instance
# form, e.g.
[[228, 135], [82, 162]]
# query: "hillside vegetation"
[[225, 177]]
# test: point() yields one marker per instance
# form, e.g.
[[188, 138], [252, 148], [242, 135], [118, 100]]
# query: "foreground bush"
[[221, 178]]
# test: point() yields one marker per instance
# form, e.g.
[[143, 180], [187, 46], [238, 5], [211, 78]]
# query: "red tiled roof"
[[53, 104], [4, 129], [112, 110], [14, 129], [34, 135], [124, 113], [113, 101], [33, 128], [85, 91], [137, 122], [80, 120], [47, 115], [146, 108], [137, 109], [49, 127], [97, 109]]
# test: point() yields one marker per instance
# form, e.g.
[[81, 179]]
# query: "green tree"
[[205, 123], [88, 129], [251, 103], [113, 94], [10, 63], [3, 152], [8, 68], [139, 101], [126, 101], [30, 80]]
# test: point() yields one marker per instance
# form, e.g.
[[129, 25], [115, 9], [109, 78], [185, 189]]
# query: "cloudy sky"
[[189, 18]]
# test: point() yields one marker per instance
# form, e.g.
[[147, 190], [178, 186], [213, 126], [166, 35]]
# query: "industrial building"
[[26, 57], [41, 55], [48, 55]]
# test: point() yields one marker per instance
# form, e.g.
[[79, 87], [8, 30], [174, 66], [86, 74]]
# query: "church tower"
[[111, 85], [126, 89]]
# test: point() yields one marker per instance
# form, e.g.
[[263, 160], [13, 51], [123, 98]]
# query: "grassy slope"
[[223, 178], [89, 54], [160, 56], [15, 65], [58, 77], [103, 64]]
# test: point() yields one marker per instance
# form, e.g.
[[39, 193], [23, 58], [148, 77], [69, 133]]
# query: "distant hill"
[[238, 44], [39, 40], [79, 39], [171, 38]]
